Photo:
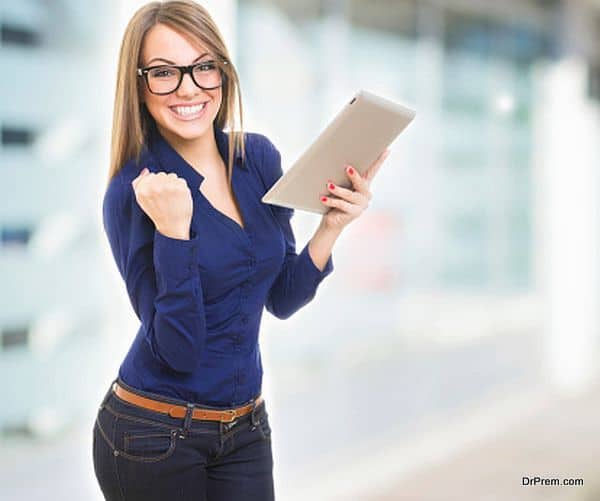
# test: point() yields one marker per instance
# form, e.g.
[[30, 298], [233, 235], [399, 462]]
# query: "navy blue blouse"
[[200, 301]]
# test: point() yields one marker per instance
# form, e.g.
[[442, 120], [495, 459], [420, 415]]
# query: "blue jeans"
[[140, 454]]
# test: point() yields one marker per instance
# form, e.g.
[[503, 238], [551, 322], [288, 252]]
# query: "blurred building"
[[484, 216], [472, 275], [54, 143]]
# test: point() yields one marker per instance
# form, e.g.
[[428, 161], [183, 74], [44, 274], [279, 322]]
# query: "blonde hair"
[[132, 122]]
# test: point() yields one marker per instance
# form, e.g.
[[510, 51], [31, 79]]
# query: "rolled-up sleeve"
[[161, 275], [297, 282]]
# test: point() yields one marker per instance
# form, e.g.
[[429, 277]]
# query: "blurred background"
[[452, 354]]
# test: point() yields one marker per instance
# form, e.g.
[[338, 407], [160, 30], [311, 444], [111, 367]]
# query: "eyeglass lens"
[[164, 79]]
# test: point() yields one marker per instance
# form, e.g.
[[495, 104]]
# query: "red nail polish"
[[331, 186], [323, 199], [350, 170]]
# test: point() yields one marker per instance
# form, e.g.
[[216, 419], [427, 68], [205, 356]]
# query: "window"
[[14, 237], [16, 136], [12, 337], [19, 35]]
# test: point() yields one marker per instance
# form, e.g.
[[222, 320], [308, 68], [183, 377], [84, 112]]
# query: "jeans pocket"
[[264, 427], [145, 446], [143, 440]]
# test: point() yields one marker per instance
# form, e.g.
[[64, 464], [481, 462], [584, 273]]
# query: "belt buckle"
[[231, 417]]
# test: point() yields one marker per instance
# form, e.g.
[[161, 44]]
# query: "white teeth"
[[188, 110]]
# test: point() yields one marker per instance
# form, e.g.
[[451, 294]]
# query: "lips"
[[188, 104], [189, 111]]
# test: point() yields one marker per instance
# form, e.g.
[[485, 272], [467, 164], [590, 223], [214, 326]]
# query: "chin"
[[188, 131]]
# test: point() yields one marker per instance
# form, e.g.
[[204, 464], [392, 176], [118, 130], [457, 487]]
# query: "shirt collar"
[[172, 161]]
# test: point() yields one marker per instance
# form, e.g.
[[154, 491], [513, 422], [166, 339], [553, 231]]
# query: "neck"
[[201, 153]]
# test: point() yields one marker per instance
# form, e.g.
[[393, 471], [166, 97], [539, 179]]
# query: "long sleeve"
[[299, 278], [161, 276]]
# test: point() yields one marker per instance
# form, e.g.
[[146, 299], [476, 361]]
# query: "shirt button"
[[244, 319]]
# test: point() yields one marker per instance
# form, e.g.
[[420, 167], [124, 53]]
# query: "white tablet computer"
[[364, 127]]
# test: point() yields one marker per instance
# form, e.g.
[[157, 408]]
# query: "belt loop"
[[188, 419], [253, 415]]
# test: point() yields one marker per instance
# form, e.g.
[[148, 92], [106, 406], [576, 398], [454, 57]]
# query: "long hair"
[[132, 123]]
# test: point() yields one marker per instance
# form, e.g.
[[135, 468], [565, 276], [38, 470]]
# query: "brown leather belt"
[[179, 411]]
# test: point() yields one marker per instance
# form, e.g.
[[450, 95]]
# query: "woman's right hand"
[[167, 200]]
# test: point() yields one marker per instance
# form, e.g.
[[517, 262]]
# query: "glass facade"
[[53, 156]]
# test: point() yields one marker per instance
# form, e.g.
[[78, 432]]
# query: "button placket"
[[245, 287]]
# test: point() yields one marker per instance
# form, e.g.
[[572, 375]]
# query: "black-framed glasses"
[[166, 78]]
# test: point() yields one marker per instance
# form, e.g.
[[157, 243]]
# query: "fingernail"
[[323, 199], [331, 187], [350, 170]]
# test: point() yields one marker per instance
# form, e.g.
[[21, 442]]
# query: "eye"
[[162, 72], [206, 66]]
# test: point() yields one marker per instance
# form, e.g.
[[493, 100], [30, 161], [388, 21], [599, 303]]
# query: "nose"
[[188, 87]]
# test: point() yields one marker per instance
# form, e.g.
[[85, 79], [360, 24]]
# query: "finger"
[[344, 206], [142, 174], [360, 183], [346, 194], [374, 168]]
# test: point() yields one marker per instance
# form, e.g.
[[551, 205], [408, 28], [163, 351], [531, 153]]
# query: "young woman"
[[201, 256]]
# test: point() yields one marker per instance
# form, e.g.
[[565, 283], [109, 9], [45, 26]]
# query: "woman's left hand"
[[347, 204]]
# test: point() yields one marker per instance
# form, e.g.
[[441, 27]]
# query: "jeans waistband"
[[171, 400]]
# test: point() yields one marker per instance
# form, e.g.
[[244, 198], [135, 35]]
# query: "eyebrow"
[[171, 62]]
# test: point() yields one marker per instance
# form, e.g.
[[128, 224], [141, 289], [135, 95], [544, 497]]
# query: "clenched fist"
[[167, 200]]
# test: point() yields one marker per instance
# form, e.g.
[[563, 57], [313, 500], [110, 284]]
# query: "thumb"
[[144, 171]]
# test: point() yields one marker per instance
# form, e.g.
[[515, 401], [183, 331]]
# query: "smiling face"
[[162, 45]]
